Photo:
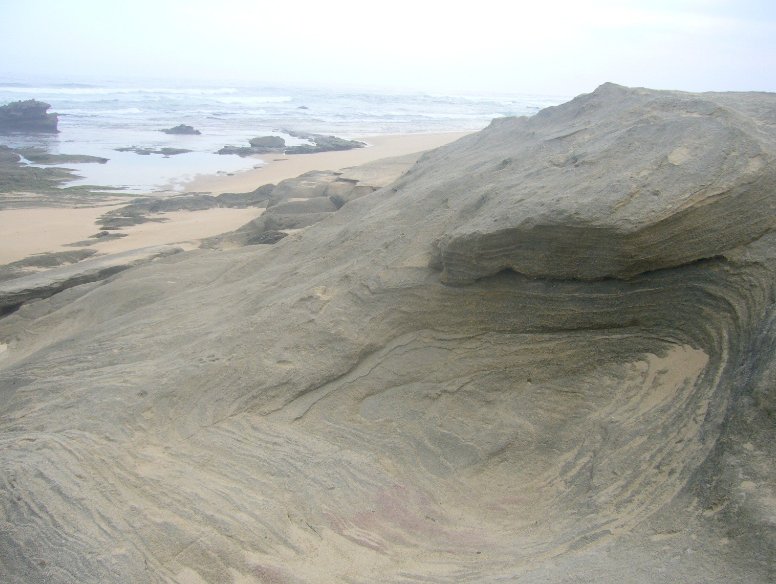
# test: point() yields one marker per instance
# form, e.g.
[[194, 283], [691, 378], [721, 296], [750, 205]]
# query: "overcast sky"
[[543, 46]]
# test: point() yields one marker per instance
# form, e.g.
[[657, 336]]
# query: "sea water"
[[98, 118]]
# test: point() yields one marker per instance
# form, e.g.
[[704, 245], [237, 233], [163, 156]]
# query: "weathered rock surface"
[[145, 209], [182, 129], [35, 262], [15, 292], [583, 191], [303, 201], [28, 116], [328, 409]]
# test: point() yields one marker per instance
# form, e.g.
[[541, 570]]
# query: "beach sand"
[[40, 230], [31, 231], [180, 227], [280, 167]]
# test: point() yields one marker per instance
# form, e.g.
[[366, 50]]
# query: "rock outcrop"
[[269, 142], [320, 143], [142, 210], [182, 129], [28, 116], [315, 143], [305, 200], [593, 397], [17, 291], [258, 145], [620, 190]]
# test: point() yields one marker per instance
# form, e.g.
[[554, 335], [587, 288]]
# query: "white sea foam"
[[255, 99]]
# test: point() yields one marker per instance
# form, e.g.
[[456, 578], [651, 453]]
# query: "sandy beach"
[[32, 231], [279, 167], [43, 229]]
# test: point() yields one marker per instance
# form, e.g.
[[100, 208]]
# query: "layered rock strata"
[[592, 401]]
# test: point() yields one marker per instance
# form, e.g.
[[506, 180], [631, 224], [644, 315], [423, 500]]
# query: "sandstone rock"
[[256, 198], [28, 116], [240, 415], [17, 291], [586, 191]]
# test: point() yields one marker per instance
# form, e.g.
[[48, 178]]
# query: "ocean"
[[98, 118]]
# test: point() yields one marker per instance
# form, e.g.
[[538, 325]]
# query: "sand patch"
[[29, 231], [180, 227]]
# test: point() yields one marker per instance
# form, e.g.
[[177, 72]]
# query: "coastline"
[[279, 167], [39, 229]]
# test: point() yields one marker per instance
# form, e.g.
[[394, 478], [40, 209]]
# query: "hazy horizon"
[[560, 48]]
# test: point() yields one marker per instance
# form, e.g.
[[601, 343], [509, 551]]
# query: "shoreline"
[[278, 167], [44, 229]]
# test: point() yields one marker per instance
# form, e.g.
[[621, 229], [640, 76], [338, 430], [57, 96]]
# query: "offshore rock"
[[320, 143], [182, 129], [270, 142], [28, 116]]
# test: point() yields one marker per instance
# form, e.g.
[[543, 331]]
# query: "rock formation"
[[15, 292], [182, 129], [142, 210], [315, 143], [543, 354], [271, 142], [303, 201], [28, 116], [258, 145], [320, 143]]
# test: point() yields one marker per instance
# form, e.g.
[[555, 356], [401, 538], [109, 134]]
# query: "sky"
[[562, 47]]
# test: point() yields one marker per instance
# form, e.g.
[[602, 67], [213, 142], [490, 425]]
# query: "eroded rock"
[[182, 129], [28, 116], [611, 184], [242, 414]]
